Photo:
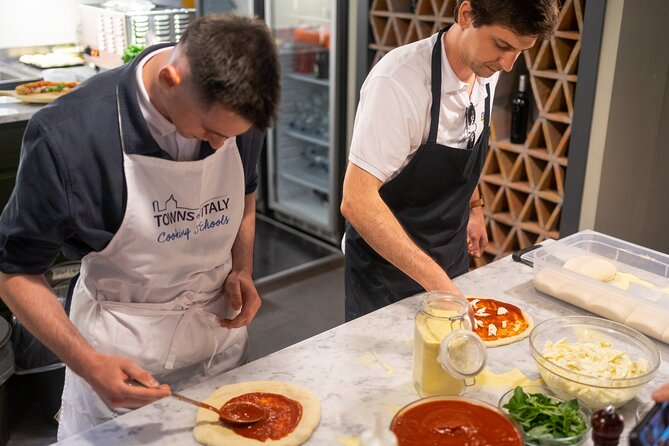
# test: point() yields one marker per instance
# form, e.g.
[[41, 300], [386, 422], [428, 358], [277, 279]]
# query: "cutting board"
[[39, 98]]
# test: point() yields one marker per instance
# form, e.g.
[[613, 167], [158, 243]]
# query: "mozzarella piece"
[[503, 324], [492, 330], [481, 312], [502, 310]]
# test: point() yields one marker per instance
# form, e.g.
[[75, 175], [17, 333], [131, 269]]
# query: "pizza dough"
[[549, 281], [612, 306], [515, 338], [594, 267], [649, 320], [486, 311], [576, 293], [665, 336], [209, 431]]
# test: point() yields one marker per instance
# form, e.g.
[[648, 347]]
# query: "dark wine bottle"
[[520, 107]]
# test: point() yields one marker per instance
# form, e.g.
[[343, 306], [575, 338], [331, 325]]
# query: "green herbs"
[[543, 417], [131, 52]]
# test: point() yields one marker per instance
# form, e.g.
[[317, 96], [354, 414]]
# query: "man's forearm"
[[370, 216], [34, 304], [385, 235], [242, 249]]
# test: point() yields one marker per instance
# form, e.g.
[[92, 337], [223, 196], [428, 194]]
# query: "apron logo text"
[[171, 213]]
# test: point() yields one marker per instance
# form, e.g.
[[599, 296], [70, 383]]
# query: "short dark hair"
[[525, 17], [234, 62]]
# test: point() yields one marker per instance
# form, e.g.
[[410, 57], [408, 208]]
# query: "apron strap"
[[486, 122], [436, 88]]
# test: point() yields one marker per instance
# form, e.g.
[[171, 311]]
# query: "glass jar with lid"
[[447, 353]]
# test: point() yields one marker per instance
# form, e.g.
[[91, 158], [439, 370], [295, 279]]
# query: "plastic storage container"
[[635, 292]]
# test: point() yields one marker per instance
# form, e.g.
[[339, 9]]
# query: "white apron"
[[155, 293]]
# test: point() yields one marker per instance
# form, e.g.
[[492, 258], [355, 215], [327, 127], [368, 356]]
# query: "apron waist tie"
[[192, 309]]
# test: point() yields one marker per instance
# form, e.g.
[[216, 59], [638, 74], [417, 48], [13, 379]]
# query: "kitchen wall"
[[627, 177], [25, 23]]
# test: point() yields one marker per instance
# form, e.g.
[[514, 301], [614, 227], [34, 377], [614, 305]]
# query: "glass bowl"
[[595, 392], [531, 441], [455, 417]]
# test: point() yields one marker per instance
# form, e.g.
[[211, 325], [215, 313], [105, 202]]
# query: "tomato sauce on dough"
[[454, 423], [282, 416], [515, 321]]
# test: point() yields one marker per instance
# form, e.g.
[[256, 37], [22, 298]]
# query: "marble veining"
[[359, 370]]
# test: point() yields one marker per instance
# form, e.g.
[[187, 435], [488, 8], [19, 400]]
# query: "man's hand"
[[477, 238], [111, 377], [243, 294], [662, 394]]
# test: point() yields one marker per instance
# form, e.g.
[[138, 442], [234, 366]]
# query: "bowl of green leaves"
[[546, 419]]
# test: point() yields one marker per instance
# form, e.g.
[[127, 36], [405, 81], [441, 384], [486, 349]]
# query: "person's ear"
[[465, 14], [169, 76]]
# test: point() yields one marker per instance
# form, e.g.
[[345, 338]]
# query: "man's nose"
[[216, 142], [508, 59]]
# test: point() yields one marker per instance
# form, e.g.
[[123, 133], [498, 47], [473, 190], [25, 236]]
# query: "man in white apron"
[[148, 173]]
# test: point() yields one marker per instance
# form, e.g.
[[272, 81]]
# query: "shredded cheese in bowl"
[[600, 362], [598, 359]]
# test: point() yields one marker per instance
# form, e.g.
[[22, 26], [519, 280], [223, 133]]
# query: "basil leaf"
[[540, 416]]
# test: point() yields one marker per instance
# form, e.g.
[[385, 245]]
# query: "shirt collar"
[[154, 118], [450, 83], [136, 135]]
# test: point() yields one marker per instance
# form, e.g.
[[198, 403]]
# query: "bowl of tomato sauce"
[[454, 421]]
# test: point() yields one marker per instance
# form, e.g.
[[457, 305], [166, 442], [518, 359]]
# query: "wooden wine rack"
[[522, 184]]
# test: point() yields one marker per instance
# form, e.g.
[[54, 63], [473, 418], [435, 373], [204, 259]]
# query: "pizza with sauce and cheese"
[[499, 323]]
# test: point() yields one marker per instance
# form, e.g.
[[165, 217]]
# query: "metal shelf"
[[308, 79], [298, 171], [308, 138]]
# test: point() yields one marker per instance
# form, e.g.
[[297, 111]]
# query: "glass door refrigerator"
[[306, 147]]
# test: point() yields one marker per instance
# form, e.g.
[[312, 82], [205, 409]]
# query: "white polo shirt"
[[393, 116]]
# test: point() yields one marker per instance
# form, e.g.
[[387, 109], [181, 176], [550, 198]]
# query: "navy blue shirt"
[[70, 191]]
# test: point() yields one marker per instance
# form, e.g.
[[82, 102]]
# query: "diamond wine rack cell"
[[522, 184]]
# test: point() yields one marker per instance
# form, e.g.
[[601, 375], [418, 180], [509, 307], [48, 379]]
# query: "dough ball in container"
[[594, 267], [665, 336], [649, 320], [612, 306], [549, 281], [576, 293]]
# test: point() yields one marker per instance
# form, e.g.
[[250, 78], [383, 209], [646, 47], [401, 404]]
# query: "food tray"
[[644, 305]]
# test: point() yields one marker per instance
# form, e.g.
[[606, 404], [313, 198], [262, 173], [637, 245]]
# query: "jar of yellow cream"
[[447, 353]]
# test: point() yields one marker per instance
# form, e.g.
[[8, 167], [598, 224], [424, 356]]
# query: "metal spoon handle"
[[185, 399]]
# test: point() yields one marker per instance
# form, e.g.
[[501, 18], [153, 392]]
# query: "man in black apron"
[[410, 195]]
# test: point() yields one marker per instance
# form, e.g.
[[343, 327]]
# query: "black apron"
[[430, 198]]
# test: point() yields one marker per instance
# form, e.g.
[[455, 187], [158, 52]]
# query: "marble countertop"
[[13, 110], [359, 370]]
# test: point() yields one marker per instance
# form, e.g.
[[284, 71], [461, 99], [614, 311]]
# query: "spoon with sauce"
[[239, 413]]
